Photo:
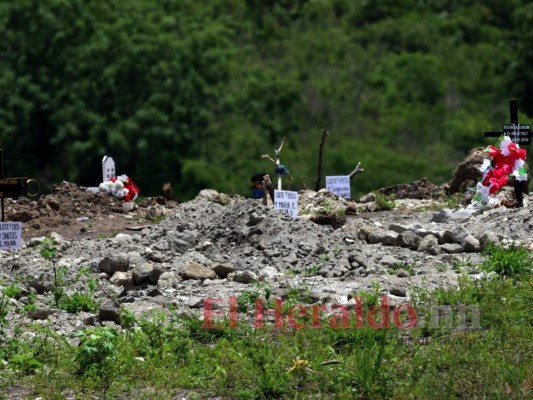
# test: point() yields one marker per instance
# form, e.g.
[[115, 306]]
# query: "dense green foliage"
[[193, 91]]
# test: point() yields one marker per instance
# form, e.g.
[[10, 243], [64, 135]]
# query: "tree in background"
[[193, 92]]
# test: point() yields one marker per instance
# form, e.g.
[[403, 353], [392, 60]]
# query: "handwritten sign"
[[10, 234], [286, 201], [340, 185]]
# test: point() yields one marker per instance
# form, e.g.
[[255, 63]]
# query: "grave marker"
[[519, 134], [286, 201], [108, 168], [108, 171], [10, 235], [340, 185]]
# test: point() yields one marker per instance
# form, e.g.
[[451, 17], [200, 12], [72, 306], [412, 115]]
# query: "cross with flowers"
[[507, 160]]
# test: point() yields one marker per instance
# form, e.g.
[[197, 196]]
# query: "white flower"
[[485, 166], [504, 145], [123, 178]]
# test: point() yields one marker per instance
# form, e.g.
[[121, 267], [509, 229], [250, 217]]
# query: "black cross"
[[519, 134]]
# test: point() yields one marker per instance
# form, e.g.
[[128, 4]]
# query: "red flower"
[[497, 183]]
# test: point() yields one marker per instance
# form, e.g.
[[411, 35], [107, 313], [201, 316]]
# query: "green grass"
[[165, 356]]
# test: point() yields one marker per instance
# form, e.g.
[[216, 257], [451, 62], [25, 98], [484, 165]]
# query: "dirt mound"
[[467, 173], [420, 189], [71, 210]]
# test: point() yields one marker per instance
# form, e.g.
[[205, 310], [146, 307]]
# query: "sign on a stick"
[[10, 234], [340, 185], [286, 201]]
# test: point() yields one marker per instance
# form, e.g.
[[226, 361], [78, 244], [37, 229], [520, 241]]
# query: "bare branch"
[[357, 170], [267, 157], [280, 148], [325, 134]]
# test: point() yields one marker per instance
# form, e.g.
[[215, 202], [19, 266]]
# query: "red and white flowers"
[[121, 187], [504, 162]]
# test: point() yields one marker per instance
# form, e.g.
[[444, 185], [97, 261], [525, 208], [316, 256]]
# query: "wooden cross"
[[12, 187], [519, 134]]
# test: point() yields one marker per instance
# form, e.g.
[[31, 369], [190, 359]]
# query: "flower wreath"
[[121, 187], [505, 161]]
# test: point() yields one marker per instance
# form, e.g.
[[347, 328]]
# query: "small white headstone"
[[10, 235], [340, 185], [286, 201], [108, 168]]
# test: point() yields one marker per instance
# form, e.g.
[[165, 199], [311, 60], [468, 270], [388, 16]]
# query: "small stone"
[[109, 312], [156, 273], [452, 248], [458, 234], [141, 273], [254, 219], [445, 236], [121, 279], [129, 206], [376, 236], [390, 238], [244, 277], [36, 241], [408, 239], [222, 270], [471, 244], [397, 228], [112, 264], [122, 238], [198, 272], [365, 231], [429, 244], [103, 276], [168, 280], [389, 261], [398, 291], [268, 273], [487, 238]]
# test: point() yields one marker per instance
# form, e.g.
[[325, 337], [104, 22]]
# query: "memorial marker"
[[10, 235], [340, 185], [108, 168], [519, 134], [286, 201], [108, 172]]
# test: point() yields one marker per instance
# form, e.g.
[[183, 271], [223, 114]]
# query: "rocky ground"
[[217, 246]]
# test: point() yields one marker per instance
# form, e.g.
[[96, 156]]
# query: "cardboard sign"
[[108, 168], [286, 201], [340, 185], [10, 235]]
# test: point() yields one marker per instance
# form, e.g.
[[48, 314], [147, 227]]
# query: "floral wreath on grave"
[[505, 161], [121, 187]]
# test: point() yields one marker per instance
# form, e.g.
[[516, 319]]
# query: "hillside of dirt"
[[162, 254]]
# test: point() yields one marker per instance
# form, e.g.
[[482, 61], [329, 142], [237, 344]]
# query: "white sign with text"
[[286, 201], [10, 235], [340, 185]]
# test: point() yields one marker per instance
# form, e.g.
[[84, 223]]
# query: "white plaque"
[[286, 201], [340, 185], [10, 235]]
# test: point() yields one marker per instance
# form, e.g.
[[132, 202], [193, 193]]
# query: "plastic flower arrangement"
[[504, 162], [121, 187]]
